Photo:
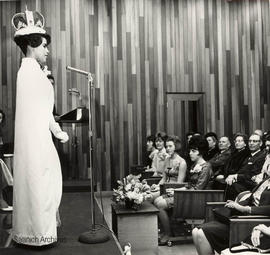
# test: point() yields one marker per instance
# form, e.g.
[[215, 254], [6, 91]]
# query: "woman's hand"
[[236, 206], [231, 179], [62, 136], [255, 237], [264, 229], [220, 177]]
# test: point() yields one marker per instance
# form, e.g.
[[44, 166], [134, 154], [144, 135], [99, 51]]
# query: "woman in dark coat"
[[212, 140]]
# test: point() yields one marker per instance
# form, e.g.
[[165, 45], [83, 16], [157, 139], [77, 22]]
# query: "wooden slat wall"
[[140, 49]]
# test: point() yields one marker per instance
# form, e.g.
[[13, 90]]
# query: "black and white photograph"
[[134, 127]]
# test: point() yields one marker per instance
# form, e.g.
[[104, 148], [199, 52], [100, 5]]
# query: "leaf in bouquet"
[[138, 185], [120, 182], [130, 177], [132, 181], [138, 176], [146, 188], [144, 182], [128, 187], [136, 190]]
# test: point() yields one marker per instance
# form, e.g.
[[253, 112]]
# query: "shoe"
[[163, 240], [7, 209]]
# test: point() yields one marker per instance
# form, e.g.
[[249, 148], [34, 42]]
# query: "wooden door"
[[185, 113]]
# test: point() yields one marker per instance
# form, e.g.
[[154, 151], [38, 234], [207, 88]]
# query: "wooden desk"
[[139, 228]]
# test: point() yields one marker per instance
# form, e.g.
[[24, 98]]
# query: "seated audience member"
[[4, 189], [151, 149], [175, 172], [3, 204], [212, 139], [258, 132], [208, 238], [159, 158], [256, 243], [2, 119], [175, 166], [258, 232], [220, 159], [266, 166], [234, 163], [189, 136], [201, 171], [242, 179]]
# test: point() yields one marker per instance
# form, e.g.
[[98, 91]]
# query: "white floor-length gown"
[[37, 170]]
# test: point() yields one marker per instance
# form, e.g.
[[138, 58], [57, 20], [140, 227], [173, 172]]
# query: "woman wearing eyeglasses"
[[214, 235]]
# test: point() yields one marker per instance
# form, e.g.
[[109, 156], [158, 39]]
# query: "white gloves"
[[62, 136]]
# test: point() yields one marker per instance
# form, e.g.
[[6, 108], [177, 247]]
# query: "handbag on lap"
[[247, 245], [224, 214]]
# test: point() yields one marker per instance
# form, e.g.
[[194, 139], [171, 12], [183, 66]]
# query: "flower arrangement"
[[131, 191]]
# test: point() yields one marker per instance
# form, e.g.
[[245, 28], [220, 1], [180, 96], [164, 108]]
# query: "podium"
[[76, 116]]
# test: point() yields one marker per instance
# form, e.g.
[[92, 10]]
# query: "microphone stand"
[[94, 235]]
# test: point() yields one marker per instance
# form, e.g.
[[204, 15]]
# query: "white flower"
[[46, 70]]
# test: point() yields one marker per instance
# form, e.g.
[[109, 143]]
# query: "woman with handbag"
[[214, 236]]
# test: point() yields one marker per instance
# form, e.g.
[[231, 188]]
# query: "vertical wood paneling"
[[137, 51]]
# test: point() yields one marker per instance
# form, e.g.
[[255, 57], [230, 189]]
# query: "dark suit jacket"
[[219, 160], [236, 161], [251, 166]]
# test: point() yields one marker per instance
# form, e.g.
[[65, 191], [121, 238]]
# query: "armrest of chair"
[[241, 226], [209, 216]]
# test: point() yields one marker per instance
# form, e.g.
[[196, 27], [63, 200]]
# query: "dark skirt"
[[217, 235]]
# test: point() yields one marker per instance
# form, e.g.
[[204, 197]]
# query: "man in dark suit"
[[252, 166], [219, 160]]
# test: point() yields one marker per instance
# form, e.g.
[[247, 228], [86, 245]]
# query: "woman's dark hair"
[[161, 136], [177, 142], [199, 143], [244, 136], [267, 137], [33, 40], [212, 135], [150, 138], [3, 115], [189, 133]]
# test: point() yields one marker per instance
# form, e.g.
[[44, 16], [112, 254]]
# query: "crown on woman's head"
[[28, 22]]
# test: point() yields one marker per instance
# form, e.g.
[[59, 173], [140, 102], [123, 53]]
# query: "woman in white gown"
[[37, 171]]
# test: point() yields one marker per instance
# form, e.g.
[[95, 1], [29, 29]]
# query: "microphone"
[[77, 70], [74, 90]]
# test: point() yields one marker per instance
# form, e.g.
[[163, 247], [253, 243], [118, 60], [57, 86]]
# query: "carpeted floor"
[[76, 219]]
